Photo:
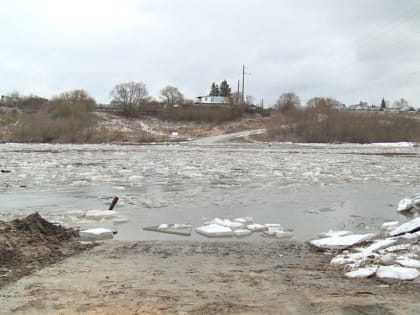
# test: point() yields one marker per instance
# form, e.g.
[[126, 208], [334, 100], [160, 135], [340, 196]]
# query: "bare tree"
[[401, 105], [287, 101], [324, 103], [129, 96], [171, 96]]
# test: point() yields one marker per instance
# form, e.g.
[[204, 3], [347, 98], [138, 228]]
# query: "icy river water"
[[306, 188]]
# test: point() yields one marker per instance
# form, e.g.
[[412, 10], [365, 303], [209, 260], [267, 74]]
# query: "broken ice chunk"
[[400, 273], [408, 262], [353, 259], [226, 222], [341, 242], [332, 233], [100, 214], [361, 272], [283, 234], [177, 229], [378, 245], [390, 225], [96, 234], [241, 232], [244, 220], [256, 227], [409, 227], [214, 230], [405, 204]]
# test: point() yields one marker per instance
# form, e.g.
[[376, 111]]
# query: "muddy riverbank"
[[32, 243], [188, 277]]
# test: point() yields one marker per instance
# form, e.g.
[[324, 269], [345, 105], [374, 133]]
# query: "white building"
[[213, 100]]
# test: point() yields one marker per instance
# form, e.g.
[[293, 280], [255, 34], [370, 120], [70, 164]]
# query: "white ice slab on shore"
[[96, 234], [341, 242], [408, 227], [378, 245], [214, 230], [408, 262], [365, 272], [400, 273]]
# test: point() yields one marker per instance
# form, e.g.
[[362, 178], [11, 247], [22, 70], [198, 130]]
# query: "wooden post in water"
[[113, 203]]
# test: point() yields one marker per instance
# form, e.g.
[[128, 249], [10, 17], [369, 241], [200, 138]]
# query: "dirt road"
[[184, 277]]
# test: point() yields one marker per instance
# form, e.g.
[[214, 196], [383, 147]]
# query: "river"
[[306, 188]]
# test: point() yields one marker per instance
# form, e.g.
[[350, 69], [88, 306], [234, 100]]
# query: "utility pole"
[[243, 84], [238, 95]]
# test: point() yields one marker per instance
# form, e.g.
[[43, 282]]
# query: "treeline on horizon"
[[70, 117]]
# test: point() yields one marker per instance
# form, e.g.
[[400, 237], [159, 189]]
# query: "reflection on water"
[[304, 188]]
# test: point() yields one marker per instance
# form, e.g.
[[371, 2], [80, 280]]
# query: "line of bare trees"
[[323, 120]]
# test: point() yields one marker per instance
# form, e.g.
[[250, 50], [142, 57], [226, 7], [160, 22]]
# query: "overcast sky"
[[350, 50]]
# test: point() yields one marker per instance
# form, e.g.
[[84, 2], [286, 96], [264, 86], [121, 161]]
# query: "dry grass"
[[312, 125]]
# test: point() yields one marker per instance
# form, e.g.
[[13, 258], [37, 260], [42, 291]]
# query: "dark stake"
[[113, 203]]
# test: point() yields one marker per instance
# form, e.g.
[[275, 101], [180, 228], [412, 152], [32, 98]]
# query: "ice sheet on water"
[[400, 273]]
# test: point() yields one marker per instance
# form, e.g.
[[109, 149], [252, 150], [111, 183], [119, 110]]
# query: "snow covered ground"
[[307, 188]]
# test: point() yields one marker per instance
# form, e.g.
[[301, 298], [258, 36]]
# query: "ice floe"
[[227, 223], [171, 228], [242, 227], [214, 230]]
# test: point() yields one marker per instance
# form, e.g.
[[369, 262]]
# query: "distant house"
[[212, 100], [364, 106]]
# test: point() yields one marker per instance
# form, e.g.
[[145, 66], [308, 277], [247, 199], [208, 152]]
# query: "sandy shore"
[[185, 277]]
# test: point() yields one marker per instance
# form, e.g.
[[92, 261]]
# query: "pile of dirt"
[[27, 245]]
